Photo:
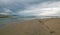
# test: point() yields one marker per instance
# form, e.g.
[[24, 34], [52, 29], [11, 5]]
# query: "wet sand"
[[33, 27]]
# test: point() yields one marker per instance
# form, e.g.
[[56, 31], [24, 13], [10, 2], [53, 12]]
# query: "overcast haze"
[[30, 7]]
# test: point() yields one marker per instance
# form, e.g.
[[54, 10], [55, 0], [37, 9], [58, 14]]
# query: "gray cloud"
[[43, 9], [29, 7]]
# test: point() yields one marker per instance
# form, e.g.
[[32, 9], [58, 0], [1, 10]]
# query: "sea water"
[[4, 21]]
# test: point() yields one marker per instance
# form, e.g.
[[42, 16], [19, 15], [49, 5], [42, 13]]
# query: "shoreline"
[[49, 26]]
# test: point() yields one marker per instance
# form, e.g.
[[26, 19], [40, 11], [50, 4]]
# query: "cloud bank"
[[43, 9], [30, 7]]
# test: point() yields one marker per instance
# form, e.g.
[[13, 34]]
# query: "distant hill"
[[5, 16]]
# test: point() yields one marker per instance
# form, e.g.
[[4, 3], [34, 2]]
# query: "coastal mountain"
[[5, 16]]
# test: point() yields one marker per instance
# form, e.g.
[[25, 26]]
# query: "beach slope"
[[49, 26]]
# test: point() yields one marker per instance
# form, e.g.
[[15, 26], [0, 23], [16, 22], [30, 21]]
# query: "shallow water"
[[4, 21]]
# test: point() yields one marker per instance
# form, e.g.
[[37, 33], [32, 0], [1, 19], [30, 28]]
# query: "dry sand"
[[33, 27]]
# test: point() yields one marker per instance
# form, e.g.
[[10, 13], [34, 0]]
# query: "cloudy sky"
[[30, 7]]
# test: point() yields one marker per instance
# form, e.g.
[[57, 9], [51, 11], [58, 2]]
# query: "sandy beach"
[[49, 26]]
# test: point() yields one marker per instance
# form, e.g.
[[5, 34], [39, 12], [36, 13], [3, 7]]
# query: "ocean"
[[4, 21]]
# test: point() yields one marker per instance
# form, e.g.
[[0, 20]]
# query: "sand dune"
[[33, 27]]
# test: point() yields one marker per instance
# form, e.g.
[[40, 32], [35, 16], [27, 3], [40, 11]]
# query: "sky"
[[30, 7]]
